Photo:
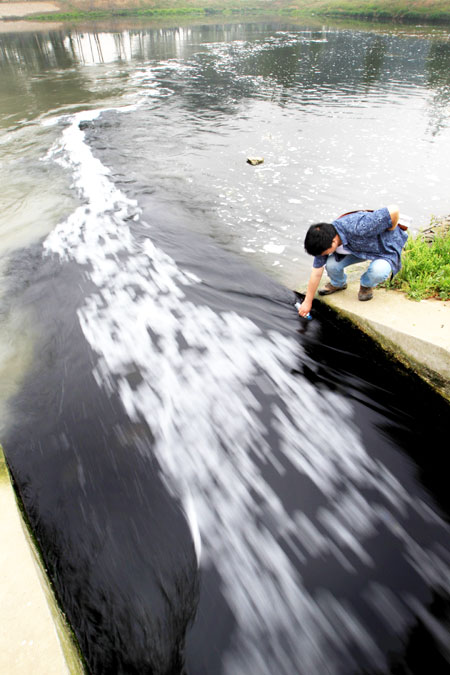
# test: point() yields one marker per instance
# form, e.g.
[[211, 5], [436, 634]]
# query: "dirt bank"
[[21, 9]]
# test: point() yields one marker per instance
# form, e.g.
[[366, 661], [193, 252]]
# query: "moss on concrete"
[[4, 476], [408, 350], [416, 334], [29, 606]]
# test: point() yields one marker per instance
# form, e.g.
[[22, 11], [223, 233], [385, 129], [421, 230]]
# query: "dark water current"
[[217, 486]]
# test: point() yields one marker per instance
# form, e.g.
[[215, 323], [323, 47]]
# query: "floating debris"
[[85, 124], [255, 160]]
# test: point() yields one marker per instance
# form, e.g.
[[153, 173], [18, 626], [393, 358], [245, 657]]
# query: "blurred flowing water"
[[216, 485]]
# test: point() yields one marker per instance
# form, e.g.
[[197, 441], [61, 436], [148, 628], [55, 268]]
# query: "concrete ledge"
[[34, 635], [416, 333]]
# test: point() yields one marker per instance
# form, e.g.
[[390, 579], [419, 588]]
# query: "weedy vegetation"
[[425, 269]]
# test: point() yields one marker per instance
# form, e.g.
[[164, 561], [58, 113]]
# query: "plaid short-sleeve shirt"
[[367, 236]]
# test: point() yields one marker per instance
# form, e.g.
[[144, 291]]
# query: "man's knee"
[[332, 264], [381, 269], [377, 272]]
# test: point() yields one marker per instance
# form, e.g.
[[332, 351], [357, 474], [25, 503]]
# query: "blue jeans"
[[378, 270]]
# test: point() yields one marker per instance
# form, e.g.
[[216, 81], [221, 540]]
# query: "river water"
[[215, 484]]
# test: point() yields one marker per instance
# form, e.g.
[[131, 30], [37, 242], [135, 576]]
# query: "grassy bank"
[[425, 269], [404, 10], [399, 10], [99, 13]]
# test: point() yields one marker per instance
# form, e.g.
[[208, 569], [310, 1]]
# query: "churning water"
[[215, 484]]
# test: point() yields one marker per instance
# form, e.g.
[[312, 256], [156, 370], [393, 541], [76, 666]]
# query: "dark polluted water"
[[217, 487]]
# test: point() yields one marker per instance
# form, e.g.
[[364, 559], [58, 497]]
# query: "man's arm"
[[394, 212], [313, 285], [370, 223]]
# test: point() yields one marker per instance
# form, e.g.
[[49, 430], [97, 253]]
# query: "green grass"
[[79, 14], [425, 269], [400, 10]]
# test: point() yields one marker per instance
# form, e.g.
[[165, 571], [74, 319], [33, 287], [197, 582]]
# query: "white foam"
[[274, 248]]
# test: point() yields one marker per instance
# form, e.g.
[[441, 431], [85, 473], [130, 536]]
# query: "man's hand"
[[305, 308], [313, 285]]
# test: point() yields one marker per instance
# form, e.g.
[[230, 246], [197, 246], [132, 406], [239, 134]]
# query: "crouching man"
[[351, 239]]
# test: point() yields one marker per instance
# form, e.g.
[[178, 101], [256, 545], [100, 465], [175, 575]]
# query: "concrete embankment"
[[34, 636], [415, 333]]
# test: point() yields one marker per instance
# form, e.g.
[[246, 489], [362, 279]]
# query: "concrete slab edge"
[[71, 654], [434, 368], [65, 634]]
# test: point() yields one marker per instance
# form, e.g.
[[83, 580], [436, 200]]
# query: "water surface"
[[215, 484], [343, 118]]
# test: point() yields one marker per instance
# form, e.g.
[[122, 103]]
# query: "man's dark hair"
[[319, 237]]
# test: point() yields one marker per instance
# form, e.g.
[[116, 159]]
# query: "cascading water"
[[293, 509], [216, 486]]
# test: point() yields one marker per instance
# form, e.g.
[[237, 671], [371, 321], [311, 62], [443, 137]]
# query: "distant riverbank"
[[398, 10]]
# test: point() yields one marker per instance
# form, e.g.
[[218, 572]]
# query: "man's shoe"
[[365, 293], [328, 289]]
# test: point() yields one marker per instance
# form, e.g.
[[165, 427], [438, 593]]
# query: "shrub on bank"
[[425, 269]]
